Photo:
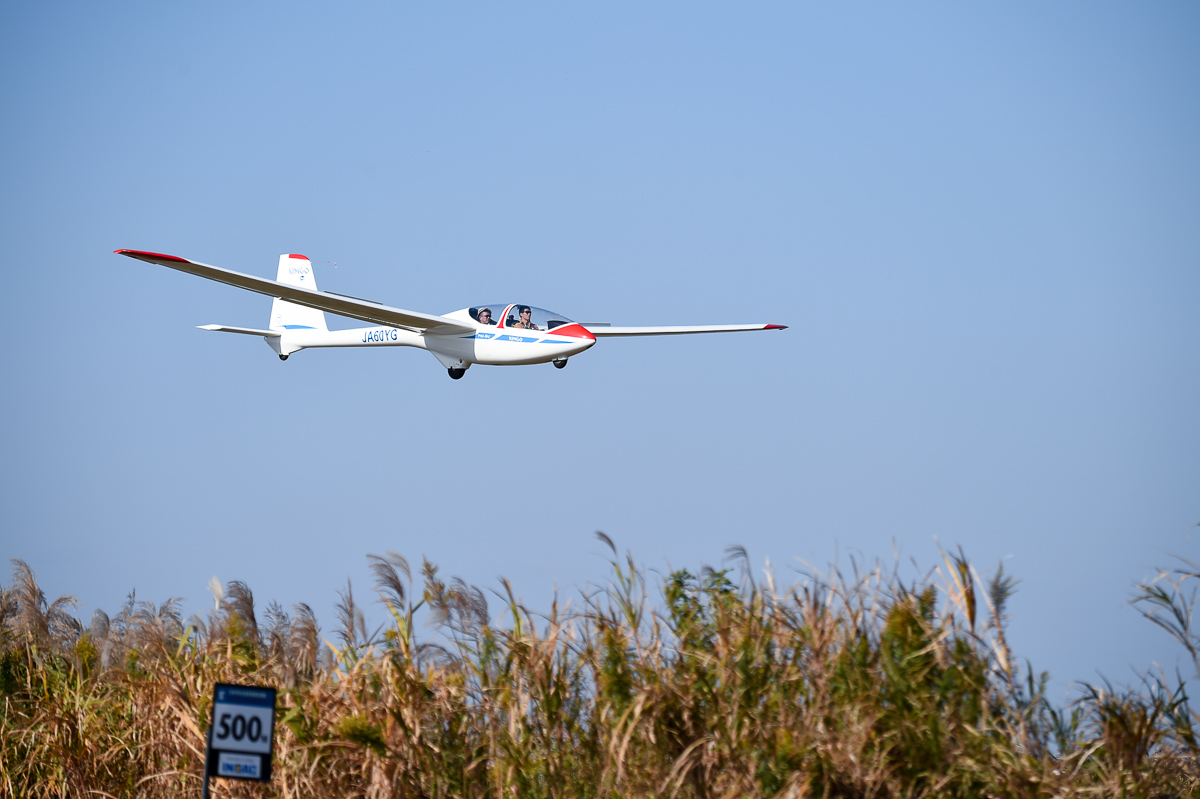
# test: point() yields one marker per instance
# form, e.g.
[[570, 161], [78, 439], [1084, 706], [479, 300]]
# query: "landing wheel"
[[283, 357], [456, 374], [559, 363]]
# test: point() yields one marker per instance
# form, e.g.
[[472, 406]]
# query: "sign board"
[[242, 732]]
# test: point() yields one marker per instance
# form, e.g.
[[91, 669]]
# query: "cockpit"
[[517, 316]]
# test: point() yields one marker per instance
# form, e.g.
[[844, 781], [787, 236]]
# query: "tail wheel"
[[456, 374], [283, 357], [559, 363]]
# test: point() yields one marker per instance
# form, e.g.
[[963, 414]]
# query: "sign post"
[[241, 735]]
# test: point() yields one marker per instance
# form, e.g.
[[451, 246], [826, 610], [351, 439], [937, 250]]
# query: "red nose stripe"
[[573, 330]]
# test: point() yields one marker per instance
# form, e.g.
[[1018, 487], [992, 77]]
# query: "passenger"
[[523, 323], [485, 316]]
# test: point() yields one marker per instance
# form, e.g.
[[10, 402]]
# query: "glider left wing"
[[600, 330], [365, 310]]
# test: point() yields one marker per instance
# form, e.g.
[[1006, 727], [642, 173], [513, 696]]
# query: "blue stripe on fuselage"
[[518, 339]]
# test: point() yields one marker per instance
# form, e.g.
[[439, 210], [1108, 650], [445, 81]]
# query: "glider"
[[496, 334]]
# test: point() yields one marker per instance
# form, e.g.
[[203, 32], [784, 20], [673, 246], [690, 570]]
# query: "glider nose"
[[584, 338], [578, 336]]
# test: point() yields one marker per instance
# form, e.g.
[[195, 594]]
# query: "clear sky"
[[981, 222]]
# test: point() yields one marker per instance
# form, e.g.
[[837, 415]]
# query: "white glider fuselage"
[[487, 345]]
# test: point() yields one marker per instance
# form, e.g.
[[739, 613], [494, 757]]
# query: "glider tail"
[[296, 270]]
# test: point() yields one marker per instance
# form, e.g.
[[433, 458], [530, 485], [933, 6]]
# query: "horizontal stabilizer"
[[249, 331]]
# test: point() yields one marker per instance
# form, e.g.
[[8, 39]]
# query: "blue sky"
[[980, 224]]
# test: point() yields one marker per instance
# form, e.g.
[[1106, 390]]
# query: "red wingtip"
[[775, 327], [141, 253]]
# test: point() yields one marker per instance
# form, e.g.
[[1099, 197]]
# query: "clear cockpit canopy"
[[516, 318]]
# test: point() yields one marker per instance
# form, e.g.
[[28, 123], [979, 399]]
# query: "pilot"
[[485, 316], [524, 323]]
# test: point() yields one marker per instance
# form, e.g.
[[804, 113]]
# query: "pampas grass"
[[692, 685]]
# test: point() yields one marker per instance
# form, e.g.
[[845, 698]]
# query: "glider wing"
[[365, 310], [600, 331]]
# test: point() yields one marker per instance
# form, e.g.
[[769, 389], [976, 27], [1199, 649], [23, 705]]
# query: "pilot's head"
[[524, 311], [485, 316]]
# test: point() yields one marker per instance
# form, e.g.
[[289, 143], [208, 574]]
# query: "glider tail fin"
[[296, 270]]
